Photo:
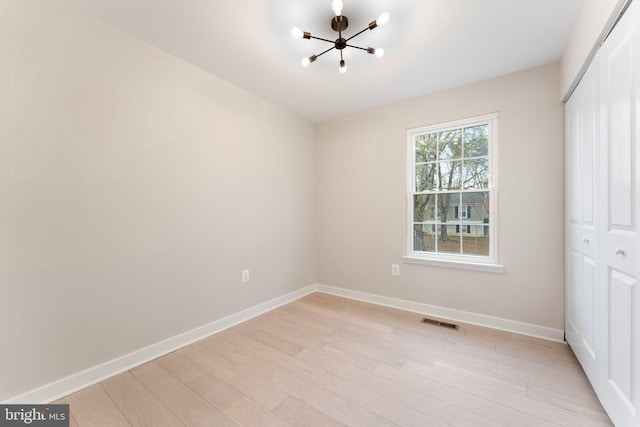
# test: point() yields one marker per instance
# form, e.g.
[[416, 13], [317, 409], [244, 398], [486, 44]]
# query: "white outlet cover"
[[395, 269]]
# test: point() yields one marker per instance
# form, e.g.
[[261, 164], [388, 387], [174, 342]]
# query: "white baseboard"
[[65, 386], [449, 313]]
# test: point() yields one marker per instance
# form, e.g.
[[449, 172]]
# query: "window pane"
[[426, 147], [424, 238], [476, 173], [447, 204], [426, 177], [477, 241], [476, 141], [450, 144], [477, 207], [450, 174], [424, 208], [448, 239]]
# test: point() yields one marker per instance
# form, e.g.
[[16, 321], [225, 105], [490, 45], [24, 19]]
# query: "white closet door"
[[582, 119], [618, 292]]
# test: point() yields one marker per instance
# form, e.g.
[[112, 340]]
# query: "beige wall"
[[361, 187], [594, 16], [134, 188]]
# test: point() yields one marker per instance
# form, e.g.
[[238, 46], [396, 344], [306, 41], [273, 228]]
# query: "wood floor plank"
[[72, 419], [181, 366], [300, 414], [259, 389], [74, 423], [550, 378], [427, 337], [272, 340], [379, 404], [516, 401], [324, 360], [485, 386], [246, 413], [341, 409], [417, 399], [461, 417], [405, 349], [300, 316], [366, 350], [303, 335], [575, 404], [241, 357], [234, 403], [139, 405], [212, 362], [487, 408], [332, 356], [92, 407], [187, 405], [276, 357]]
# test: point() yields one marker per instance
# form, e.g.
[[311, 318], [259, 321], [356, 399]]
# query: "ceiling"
[[430, 45]]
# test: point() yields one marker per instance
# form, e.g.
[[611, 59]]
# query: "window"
[[465, 228], [452, 192], [461, 211]]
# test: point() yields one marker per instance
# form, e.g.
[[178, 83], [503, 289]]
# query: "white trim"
[[461, 264], [65, 386], [514, 326], [492, 119]]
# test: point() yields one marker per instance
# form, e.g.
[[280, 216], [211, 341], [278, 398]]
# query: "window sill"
[[462, 265]]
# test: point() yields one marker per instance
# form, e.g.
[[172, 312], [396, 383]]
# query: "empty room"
[[319, 213]]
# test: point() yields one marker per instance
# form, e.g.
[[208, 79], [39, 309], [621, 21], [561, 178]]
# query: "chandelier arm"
[[320, 38], [358, 47], [331, 48], [357, 34]]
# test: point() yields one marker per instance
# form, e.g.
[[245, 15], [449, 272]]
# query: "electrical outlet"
[[395, 270], [245, 276]]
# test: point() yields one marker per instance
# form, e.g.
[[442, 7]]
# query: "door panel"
[[620, 116], [618, 322], [621, 291], [582, 116], [572, 331], [589, 279]]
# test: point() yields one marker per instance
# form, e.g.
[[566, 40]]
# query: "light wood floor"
[[329, 361]]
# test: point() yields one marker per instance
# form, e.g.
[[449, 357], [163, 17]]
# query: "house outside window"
[[452, 189], [461, 211]]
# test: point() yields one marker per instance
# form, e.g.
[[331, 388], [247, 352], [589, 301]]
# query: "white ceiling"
[[430, 45]]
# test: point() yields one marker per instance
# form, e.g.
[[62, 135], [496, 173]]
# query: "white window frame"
[[470, 262]]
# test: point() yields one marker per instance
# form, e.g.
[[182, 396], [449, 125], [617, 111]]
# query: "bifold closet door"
[[582, 133], [618, 296]]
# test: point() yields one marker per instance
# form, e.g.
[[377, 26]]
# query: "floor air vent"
[[439, 323]]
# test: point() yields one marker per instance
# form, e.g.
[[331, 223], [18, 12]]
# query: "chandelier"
[[340, 23]]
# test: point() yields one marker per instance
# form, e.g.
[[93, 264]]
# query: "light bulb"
[[379, 52], [336, 6], [306, 61], [343, 67], [383, 19], [296, 33]]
